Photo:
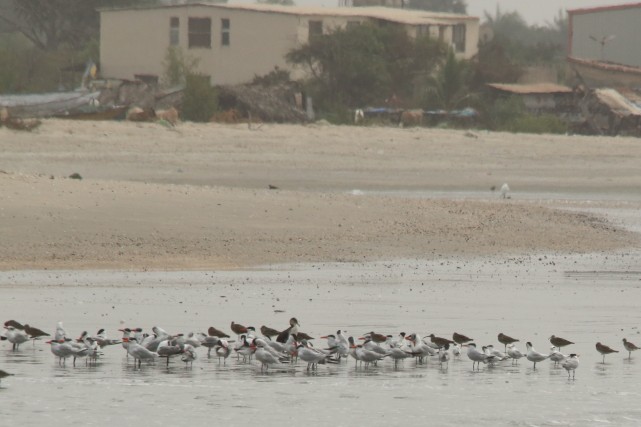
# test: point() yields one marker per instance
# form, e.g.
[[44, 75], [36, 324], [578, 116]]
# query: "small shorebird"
[[629, 347], [477, 356], [571, 363], [440, 342], [189, 355], [238, 329], [213, 332], [138, 352], [14, 323], [460, 338], [268, 332], [533, 355], [292, 330], [505, 190], [514, 353], [34, 333], [377, 338], [604, 349], [505, 340], [556, 356], [559, 342], [16, 336]]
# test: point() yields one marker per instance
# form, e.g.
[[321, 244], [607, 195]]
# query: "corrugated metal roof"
[[609, 66], [525, 89], [598, 9], [403, 16], [617, 102]]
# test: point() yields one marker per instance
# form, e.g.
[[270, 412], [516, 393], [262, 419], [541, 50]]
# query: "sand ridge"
[[196, 196]]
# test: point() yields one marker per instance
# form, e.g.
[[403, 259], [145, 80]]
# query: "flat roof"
[[583, 11], [527, 89], [403, 16]]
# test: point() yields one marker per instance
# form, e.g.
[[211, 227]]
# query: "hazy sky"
[[534, 11]]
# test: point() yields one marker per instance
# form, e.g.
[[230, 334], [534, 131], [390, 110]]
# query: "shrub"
[[200, 100]]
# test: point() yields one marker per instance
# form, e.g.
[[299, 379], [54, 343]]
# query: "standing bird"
[[570, 364], [167, 349], [213, 332], [189, 355], [292, 330], [34, 333], [14, 323], [559, 342], [377, 338], [103, 341], [266, 357], [629, 347], [556, 356], [222, 350], [477, 356], [138, 352], [534, 356], [514, 353], [505, 190], [60, 334], [460, 338], [238, 329], [604, 349], [16, 336], [505, 340], [62, 350], [310, 355], [443, 356], [440, 342], [268, 332], [208, 342]]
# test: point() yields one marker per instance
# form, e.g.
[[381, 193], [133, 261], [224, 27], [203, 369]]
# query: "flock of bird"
[[274, 347]]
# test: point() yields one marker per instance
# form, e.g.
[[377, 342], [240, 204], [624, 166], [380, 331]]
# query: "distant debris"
[[272, 187], [471, 135], [75, 175], [17, 123]]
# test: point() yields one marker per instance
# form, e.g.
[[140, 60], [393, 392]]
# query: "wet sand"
[[197, 196], [371, 229], [585, 298]]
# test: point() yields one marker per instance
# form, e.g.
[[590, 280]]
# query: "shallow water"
[[586, 299]]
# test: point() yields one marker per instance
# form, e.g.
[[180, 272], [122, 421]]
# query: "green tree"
[[449, 89], [200, 100], [50, 24], [525, 44], [366, 64], [452, 6], [177, 66]]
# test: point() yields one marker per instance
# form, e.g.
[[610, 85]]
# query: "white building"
[[234, 43]]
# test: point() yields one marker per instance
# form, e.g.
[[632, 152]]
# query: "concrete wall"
[[624, 24]]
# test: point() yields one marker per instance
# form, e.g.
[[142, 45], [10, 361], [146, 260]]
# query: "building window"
[[225, 27], [458, 37], [315, 29], [174, 31], [199, 32]]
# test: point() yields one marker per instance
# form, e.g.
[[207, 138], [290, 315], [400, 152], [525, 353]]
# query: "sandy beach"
[[197, 196]]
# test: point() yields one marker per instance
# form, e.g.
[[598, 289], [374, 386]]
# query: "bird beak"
[[325, 337]]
